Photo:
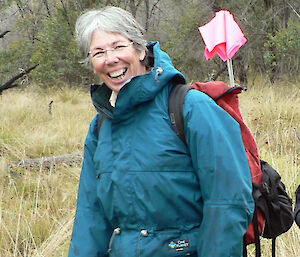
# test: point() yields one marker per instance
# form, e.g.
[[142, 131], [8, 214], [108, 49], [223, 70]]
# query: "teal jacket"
[[143, 192]]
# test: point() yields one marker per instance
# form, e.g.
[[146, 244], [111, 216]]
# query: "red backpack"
[[267, 221]]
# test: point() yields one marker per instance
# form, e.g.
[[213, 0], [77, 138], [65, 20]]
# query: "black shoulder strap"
[[176, 101], [100, 122]]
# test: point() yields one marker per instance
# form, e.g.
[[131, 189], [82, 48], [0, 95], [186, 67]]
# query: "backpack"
[[273, 213]]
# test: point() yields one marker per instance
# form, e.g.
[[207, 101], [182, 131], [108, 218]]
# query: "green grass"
[[37, 206]]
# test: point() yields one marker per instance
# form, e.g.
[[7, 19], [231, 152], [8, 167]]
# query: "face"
[[118, 66]]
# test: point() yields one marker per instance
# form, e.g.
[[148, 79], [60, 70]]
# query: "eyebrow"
[[114, 43]]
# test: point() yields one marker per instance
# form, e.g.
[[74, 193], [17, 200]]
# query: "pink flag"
[[222, 35]]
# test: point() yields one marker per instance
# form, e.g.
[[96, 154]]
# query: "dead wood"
[[4, 33], [68, 160], [9, 84]]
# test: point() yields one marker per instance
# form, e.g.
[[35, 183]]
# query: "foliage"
[[5, 3], [57, 54], [283, 50], [18, 54], [45, 36], [185, 46]]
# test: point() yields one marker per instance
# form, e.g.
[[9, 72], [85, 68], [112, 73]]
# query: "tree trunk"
[[286, 14]]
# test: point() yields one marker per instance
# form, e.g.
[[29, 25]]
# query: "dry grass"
[[273, 115], [37, 206]]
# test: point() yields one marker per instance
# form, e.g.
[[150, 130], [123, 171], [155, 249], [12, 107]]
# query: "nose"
[[111, 57]]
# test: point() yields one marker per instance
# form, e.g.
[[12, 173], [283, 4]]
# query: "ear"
[[142, 55]]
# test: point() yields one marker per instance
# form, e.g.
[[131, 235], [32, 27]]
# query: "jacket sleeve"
[[91, 230], [219, 158]]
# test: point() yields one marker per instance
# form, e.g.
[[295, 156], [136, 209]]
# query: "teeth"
[[117, 73]]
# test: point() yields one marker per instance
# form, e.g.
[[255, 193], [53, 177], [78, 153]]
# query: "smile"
[[120, 74]]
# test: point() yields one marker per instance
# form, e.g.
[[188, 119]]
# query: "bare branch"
[[47, 7], [152, 9], [9, 84], [4, 33], [66, 15]]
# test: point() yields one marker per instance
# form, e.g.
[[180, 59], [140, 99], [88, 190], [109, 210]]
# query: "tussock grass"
[[28, 130], [37, 206]]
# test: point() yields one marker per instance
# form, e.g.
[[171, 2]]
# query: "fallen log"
[[68, 160]]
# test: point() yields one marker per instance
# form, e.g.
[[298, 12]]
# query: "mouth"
[[120, 74]]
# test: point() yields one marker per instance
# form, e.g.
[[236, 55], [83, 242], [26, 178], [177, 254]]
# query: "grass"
[[37, 206]]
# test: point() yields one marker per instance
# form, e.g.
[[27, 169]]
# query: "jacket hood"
[[138, 89]]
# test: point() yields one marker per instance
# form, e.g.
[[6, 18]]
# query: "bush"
[[283, 52]]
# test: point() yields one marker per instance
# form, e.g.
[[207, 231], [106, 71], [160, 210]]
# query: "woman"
[[142, 192]]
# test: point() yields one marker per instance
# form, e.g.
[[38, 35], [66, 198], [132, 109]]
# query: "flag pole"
[[230, 72]]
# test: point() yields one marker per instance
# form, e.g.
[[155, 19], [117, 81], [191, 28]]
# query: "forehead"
[[101, 39]]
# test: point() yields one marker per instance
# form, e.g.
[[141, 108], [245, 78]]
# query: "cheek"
[[98, 68]]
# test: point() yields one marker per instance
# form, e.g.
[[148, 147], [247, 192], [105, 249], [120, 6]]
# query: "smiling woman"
[[142, 191], [114, 50]]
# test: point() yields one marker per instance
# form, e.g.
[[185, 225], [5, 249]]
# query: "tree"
[[261, 21], [44, 29], [57, 53]]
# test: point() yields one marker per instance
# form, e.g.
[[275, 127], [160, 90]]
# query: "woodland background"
[[42, 32], [49, 110]]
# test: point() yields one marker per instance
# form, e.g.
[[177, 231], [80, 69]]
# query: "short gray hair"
[[110, 19]]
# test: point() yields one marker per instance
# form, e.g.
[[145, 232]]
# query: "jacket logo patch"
[[179, 245]]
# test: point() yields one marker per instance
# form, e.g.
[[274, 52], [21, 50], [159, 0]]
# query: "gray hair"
[[110, 19]]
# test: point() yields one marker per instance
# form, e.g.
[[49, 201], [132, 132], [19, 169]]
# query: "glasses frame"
[[113, 49]]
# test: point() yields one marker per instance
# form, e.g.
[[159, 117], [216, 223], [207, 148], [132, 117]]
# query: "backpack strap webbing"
[[256, 234], [273, 247], [176, 101], [100, 122], [245, 254]]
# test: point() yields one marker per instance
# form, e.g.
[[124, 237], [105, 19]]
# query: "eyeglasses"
[[100, 54]]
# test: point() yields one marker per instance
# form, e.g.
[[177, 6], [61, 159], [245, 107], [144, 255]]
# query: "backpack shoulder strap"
[[100, 122], [176, 101]]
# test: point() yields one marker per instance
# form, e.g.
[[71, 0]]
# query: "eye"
[[98, 53], [120, 47]]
